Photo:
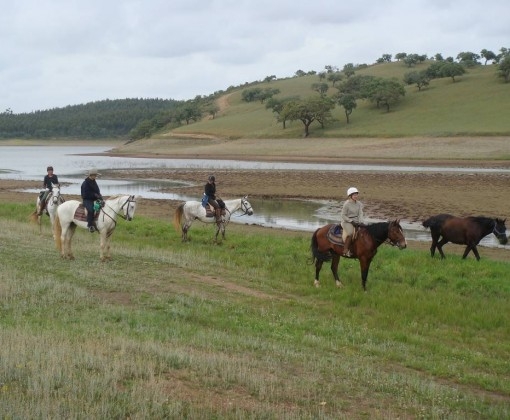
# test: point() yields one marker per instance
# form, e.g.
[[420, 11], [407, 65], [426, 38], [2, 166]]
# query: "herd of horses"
[[65, 216]]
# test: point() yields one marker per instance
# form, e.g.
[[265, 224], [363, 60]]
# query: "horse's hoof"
[[316, 283], [339, 284]]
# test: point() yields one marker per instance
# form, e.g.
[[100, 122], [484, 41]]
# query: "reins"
[[129, 200]]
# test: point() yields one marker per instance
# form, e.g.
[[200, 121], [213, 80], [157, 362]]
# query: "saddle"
[[81, 214], [210, 211], [335, 234]]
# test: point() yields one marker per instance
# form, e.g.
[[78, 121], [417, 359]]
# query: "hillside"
[[475, 104]]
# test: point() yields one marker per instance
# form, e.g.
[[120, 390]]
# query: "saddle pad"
[[81, 214], [334, 235]]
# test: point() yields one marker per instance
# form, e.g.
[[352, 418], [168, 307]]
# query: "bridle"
[[131, 199], [496, 231], [245, 208]]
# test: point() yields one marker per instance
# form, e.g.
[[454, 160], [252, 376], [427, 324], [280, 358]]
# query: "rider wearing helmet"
[[352, 212], [48, 182], [210, 191]]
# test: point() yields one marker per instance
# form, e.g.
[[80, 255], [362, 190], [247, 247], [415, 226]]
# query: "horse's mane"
[[483, 221], [378, 231], [114, 197]]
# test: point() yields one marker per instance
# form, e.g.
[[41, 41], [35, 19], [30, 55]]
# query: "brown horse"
[[364, 247], [467, 231]]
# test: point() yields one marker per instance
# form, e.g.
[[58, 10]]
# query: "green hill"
[[476, 104]]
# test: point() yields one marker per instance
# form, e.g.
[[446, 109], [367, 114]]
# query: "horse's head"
[[396, 234], [129, 207], [55, 193], [500, 231], [246, 206]]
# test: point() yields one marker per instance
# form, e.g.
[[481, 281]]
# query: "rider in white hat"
[[352, 212]]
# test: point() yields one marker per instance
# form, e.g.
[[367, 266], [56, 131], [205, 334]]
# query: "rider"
[[352, 212], [90, 193], [210, 191], [48, 182]]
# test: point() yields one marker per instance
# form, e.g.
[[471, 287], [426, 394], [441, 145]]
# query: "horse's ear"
[[245, 197]]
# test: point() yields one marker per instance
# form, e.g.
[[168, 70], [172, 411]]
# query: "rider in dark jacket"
[[210, 191], [49, 180], [90, 193]]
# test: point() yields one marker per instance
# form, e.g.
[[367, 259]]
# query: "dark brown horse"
[[467, 231], [364, 247]]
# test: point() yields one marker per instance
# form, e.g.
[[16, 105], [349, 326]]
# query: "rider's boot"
[[347, 247]]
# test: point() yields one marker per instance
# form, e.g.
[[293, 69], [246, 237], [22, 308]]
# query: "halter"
[[496, 232], [131, 199], [244, 207]]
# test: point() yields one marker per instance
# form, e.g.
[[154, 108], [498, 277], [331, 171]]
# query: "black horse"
[[467, 231]]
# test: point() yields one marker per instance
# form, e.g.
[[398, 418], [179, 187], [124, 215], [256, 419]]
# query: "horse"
[[365, 242], [53, 200], [467, 231], [189, 211], [71, 214]]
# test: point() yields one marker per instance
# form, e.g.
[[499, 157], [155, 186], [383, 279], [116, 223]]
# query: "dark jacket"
[[210, 190], [48, 180], [90, 190]]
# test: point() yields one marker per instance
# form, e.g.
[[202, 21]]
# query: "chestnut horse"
[[364, 247], [467, 231]]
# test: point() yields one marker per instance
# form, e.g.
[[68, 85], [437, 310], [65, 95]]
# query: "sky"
[[55, 53]]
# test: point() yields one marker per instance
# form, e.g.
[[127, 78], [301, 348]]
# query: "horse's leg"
[[318, 266], [102, 245], [470, 247], [223, 230], [440, 246], [334, 269], [435, 238], [185, 228], [364, 264], [70, 233]]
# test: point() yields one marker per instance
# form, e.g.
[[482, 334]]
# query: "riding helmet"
[[212, 178], [351, 191]]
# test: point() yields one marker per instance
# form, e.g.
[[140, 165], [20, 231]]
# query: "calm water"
[[71, 164]]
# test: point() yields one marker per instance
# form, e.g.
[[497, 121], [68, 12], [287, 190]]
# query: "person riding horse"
[[90, 193], [352, 213], [210, 192], [48, 182]]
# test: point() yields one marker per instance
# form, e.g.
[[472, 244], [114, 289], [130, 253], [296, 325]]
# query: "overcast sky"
[[67, 52]]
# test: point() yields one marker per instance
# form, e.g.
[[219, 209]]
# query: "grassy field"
[[236, 330], [476, 104]]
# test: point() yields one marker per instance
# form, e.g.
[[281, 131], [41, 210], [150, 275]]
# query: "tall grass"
[[476, 104], [236, 330]]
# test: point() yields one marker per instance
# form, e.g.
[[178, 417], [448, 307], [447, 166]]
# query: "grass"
[[475, 105], [236, 330]]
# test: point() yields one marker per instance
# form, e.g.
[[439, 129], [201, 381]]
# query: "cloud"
[[57, 53]]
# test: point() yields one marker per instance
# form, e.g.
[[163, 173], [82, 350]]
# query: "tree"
[[348, 102], [487, 55], [348, 69], [438, 57], [314, 108], [400, 56], [277, 106], [452, 70], [468, 59], [504, 69], [386, 58], [335, 77], [420, 79], [320, 88], [250, 95], [300, 73], [269, 78], [385, 92]]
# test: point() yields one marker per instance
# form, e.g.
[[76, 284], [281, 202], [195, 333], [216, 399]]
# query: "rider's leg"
[[347, 246]]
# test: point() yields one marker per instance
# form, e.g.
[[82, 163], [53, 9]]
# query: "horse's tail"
[[34, 217], [178, 216], [316, 254], [57, 232], [435, 222]]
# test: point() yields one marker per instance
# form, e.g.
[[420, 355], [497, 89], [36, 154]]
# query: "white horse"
[[72, 213], [189, 211], [53, 200]]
